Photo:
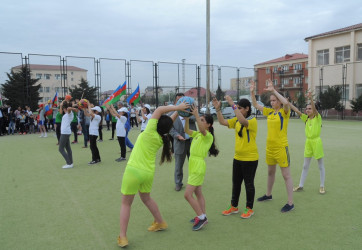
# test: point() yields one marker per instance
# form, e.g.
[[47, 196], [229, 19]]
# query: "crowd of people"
[[179, 136]]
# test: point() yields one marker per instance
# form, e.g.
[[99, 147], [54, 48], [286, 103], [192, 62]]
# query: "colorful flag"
[[116, 95], [1, 102], [55, 100], [48, 110], [135, 97]]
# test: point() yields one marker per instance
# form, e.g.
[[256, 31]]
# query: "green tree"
[[84, 91], [331, 97], [300, 96], [220, 94], [21, 90], [357, 104]]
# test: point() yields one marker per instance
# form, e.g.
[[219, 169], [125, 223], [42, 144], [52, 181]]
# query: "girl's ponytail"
[[213, 150]]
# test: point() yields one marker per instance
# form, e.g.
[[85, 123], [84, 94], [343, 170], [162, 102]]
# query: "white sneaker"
[[41, 136], [45, 135], [68, 166]]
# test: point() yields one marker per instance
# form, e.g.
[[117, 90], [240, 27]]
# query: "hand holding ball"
[[188, 100], [83, 103]]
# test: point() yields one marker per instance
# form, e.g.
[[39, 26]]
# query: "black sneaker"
[[198, 224], [265, 198], [111, 139], [192, 220], [287, 208], [92, 162]]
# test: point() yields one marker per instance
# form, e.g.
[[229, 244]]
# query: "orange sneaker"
[[122, 242], [157, 226], [230, 210], [247, 213]]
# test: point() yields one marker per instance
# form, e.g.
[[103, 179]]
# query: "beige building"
[[50, 78], [243, 83], [335, 58]]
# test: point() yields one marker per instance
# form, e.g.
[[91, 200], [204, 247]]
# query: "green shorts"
[[313, 148], [278, 156], [197, 169], [135, 180]]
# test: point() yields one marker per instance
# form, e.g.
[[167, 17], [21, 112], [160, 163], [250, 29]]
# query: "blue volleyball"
[[190, 101]]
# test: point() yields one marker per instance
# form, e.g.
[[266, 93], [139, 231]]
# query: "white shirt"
[[144, 122], [133, 112], [94, 125], [121, 131], [65, 125]]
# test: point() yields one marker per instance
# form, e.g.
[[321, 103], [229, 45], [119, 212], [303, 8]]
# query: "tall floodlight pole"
[[207, 55]]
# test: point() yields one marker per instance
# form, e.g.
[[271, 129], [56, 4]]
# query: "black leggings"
[[73, 126], [244, 170], [122, 144], [94, 148], [113, 128]]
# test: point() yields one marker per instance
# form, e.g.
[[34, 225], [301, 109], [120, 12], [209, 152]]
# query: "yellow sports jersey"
[[145, 149], [245, 145], [277, 127], [312, 126]]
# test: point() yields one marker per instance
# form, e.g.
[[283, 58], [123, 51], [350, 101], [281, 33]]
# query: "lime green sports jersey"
[[200, 144], [312, 126], [245, 145], [144, 152]]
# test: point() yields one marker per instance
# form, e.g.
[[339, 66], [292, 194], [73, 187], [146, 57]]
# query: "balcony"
[[291, 72]]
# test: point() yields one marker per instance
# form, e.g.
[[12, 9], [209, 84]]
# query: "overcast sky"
[[243, 33]]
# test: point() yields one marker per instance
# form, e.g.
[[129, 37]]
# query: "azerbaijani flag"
[[1, 101], [116, 95], [55, 100], [48, 110], [135, 97]]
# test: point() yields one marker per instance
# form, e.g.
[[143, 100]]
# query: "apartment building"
[[335, 58], [50, 77], [288, 73], [243, 83]]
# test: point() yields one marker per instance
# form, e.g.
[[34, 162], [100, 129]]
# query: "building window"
[[46, 89], [275, 82], [358, 90], [297, 66], [296, 81], [346, 93], [285, 81], [323, 57], [275, 69], [38, 76], [342, 54], [71, 73], [267, 70], [71, 79], [359, 52], [41, 90], [64, 76], [47, 76], [285, 68], [57, 76], [57, 89]]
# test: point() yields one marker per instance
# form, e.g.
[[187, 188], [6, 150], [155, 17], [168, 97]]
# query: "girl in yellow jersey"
[[201, 145], [277, 151], [140, 169], [246, 155], [313, 144]]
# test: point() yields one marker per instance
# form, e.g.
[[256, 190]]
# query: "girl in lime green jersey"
[[313, 144], [140, 169], [201, 145]]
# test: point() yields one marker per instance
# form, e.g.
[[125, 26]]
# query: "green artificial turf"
[[43, 206]]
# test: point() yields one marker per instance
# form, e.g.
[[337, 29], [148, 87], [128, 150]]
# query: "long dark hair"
[[244, 103], [164, 126], [210, 120]]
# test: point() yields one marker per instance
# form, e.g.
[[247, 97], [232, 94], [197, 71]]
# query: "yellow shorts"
[[197, 169], [135, 180], [313, 148], [278, 156]]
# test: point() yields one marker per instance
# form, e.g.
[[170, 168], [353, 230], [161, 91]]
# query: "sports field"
[[43, 206]]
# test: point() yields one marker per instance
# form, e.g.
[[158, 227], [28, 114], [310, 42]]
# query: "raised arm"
[[61, 108], [112, 110], [201, 127], [310, 97], [253, 99], [220, 118], [281, 98], [165, 109], [237, 112], [88, 111], [295, 109]]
